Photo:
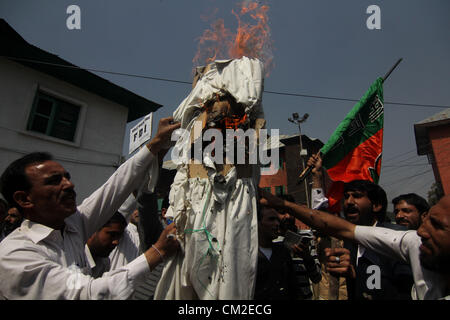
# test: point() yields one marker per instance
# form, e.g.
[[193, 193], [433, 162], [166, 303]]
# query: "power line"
[[353, 100], [443, 148], [406, 165], [407, 178], [96, 70], [190, 83], [428, 182], [399, 155], [85, 162]]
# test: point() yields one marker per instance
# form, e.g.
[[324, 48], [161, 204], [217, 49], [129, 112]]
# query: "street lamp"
[[295, 119]]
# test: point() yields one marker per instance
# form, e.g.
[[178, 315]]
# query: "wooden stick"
[[392, 69]]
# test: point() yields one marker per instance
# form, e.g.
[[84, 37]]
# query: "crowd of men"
[[114, 244]]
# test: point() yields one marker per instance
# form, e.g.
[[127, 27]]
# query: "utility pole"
[[296, 119]]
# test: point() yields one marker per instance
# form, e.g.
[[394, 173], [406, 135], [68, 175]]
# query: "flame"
[[252, 39]]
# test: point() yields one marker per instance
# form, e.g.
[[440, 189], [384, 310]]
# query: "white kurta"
[[37, 262], [216, 220], [404, 246], [128, 248], [220, 239]]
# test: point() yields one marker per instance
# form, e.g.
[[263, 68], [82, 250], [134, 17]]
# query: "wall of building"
[[294, 168], [277, 179], [440, 143], [92, 158]]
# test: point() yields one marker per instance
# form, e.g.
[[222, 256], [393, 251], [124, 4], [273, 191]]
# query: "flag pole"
[[307, 171], [392, 69]]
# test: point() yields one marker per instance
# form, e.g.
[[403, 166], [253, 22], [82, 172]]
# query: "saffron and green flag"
[[354, 149]]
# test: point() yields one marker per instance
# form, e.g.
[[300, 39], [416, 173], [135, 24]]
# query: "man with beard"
[[369, 275], [427, 250], [409, 210], [12, 220]]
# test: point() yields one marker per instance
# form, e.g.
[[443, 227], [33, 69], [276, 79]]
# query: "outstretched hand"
[[268, 199], [165, 128], [167, 242]]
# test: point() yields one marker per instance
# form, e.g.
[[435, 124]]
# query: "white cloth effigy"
[[216, 218]]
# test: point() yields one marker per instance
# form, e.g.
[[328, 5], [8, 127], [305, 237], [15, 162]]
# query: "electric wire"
[[190, 83]]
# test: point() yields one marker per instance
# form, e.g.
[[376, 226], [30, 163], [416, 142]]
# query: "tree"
[[435, 193]]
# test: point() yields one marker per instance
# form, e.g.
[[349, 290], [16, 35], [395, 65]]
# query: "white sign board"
[[141, 133]]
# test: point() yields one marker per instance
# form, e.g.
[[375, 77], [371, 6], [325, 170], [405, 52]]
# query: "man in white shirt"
[[364, 204], [130, 245], [100, 245], [44, 258], [427, 250]]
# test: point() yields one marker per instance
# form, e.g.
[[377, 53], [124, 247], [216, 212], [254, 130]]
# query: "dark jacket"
[[396, 277], [275, 278]]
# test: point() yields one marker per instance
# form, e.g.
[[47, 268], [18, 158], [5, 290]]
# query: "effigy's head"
[[231, 89], [226, 95], [223, 112]]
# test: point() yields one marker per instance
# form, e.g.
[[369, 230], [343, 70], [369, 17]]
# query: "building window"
[[281, 163], [268, 189], [279, 190], [53, 117]]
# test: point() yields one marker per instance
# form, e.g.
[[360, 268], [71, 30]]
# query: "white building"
[[48, 104]]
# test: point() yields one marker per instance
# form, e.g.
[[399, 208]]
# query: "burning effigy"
[[213, 199]]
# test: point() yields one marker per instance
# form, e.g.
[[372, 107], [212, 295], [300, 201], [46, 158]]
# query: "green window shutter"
[[279, 190], [65, 121], [41, 114], [53, 117]]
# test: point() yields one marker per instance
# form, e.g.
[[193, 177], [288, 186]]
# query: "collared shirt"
[[404, 246], [362, 249], [97, 265], [128, 248], [38, 262]]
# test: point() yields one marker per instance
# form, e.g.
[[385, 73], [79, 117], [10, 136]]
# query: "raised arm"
[[319, 201], [316, 219], [106, 200], [26, 265]]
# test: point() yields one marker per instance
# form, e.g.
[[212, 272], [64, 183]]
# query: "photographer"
[[275, 275], [304, 254]]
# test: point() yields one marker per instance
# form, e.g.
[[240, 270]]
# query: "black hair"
[[261, 208], [4, 203], [165, 202], [375, 193], [14, 177], [413, 199], [117, 218]]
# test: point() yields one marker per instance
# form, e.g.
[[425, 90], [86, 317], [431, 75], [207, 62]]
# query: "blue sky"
[[321, 47]]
